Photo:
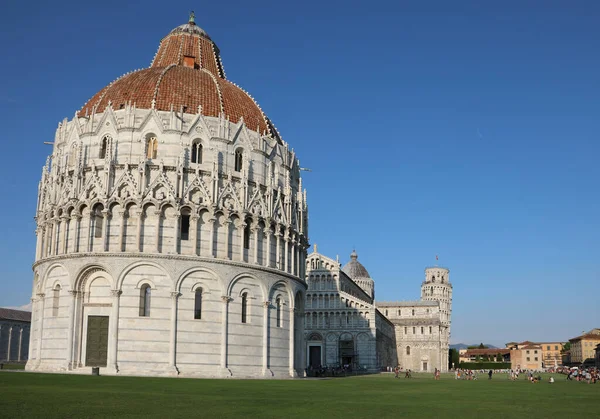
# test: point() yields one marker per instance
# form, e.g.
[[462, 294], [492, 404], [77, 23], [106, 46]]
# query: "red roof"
[[186, 73]]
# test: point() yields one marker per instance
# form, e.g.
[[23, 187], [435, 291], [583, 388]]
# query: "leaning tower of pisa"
[[437, 287]]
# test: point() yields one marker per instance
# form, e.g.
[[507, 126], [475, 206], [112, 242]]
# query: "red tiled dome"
[[186, 73]]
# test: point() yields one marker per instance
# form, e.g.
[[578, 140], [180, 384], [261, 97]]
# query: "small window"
[[279, 312], [55, 300], [145, 301], [245, 307], [239, 158], [556, 347], [98, 220], [198, 304], [548, 347], [152, 147], [184, 227], [196, 152], [406, 330], [535, 352], [414, 330], [536, 358], [408, 350], [528, 359], [73, 155], [430, 330], [247, 236], [399, 312], [386, 313], [103, 148], [528, 352], [413, 312], [422, 330]]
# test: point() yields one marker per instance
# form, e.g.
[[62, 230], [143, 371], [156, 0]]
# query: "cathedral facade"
[[171, 229], [346, 327]]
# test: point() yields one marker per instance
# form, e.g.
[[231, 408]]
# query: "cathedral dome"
[[186, 75], [354, 269]]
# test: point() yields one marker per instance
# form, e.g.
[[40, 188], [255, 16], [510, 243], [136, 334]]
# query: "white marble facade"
[[345, 326]]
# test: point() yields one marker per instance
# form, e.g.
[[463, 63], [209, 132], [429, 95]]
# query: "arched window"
[[433, 279], [278, 312], [239, 158], [103, 147], [145, 300], [405, 330], [245, 307], [413, 312], [55, 300], [196, 152], [399, 312], [442, 279], [430, 330], [414, 330], [422, 330], [408, 350], [151, 147], [198, 304], [247, 235], [386, 313], [98, 221]]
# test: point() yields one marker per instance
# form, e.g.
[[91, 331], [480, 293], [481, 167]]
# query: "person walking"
[[490, 375]]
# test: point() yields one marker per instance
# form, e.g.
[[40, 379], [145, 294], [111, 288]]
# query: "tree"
[[566, 347], [454, 358], [482, 346]]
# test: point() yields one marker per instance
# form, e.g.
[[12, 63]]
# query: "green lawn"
[[13, 366], [26, 395]]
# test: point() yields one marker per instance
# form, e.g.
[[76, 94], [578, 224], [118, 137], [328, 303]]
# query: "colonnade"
[[273, 245], [17, 331], [345, 319]]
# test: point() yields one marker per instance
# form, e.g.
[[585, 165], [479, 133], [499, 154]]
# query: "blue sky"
[[463, 129]]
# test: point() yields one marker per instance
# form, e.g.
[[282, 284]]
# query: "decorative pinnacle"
[[192, 20]]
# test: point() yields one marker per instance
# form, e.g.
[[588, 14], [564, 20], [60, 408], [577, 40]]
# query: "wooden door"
[[97, 341]]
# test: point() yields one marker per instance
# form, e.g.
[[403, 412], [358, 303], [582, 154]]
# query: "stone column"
[[138, 235], [20, 344], [41, 304], [113, 332], [265, 352], [65, 231], [293, 257], [121, 246], [286, 252], [224, 320], [269, 233], [176, 234], [77, 232], [31, 337], [78, 330], [242, 230], [9, 342], [91, 234], [105, 214], [39, 232], [298, 260], [226, 227], [255, 232], [157, 232], [173, 333], [53, 239], [278, 249], [211, 237], [194, 234], [292, 341], [70, 330]]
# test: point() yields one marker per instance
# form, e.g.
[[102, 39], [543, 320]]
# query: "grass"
[[28, 395]]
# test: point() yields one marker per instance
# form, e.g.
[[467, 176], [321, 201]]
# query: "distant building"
[[551, 353], [525, 355], [14, 335], [484, 355], [597, 356], [583, 347]]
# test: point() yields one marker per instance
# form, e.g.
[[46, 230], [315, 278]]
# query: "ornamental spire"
[[192, 20]]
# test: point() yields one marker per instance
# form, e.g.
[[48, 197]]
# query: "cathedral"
[[172, 239], [346, 327]]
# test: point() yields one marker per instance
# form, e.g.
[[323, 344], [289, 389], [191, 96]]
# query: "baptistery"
[[171, 229]]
